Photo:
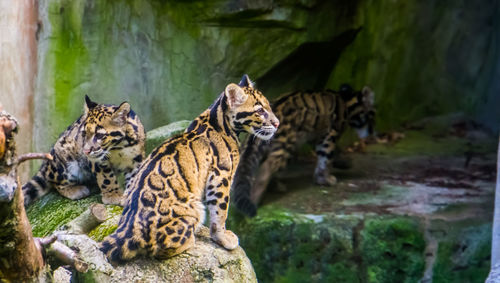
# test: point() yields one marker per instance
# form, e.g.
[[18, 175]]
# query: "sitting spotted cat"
[[317, 117], [104, 141], [164, 207]]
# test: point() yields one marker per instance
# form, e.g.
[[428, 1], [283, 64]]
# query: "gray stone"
[[494, 276], [205, 262], [62, 275]]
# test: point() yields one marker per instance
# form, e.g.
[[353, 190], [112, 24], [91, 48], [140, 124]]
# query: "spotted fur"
[[167, 198], [104, 141], [317, 117]]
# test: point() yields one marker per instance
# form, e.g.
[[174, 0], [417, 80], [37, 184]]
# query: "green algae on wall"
[[169, 59], [422, 58]]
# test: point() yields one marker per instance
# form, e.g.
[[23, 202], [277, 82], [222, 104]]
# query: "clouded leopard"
[[104, 141], [317, 117], [166, 202]]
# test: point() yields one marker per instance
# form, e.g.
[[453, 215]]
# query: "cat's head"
[[249, 110], [360, 109], [104, 127]]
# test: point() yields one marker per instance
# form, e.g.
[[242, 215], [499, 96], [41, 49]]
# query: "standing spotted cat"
[[104, 141], [317, 117], [164, 207]]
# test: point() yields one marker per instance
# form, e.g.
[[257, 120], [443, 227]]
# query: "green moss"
[[108, 226], [465, 256], [417, 142], [392, 250], [52, 211], [288, 247], [292, 247], [342, 271]]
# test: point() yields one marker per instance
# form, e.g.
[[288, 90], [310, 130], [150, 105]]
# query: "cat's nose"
[[88, 149], [275, 123]]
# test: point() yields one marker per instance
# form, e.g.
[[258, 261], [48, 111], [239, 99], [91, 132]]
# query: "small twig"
[[47, 241], [88, 220], [68, 256], [29, 156]]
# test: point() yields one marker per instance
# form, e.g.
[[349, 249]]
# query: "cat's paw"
[[113, 199], [228, 239], [325, 179], [74, 192]]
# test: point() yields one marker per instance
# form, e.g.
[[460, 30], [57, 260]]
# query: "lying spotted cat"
[[104, 141]]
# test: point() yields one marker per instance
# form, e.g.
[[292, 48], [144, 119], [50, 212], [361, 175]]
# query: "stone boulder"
[[205, 262]]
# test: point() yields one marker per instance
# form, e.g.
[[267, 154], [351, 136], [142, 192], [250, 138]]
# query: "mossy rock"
[[392, 249], [286, 247], [464, 256], [53, 211], [157, 136], [293, 247]]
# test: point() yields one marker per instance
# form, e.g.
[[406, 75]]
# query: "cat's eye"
[[261, 111], [99, 135]]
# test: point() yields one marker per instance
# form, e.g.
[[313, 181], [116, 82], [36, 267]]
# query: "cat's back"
[[306, 111]]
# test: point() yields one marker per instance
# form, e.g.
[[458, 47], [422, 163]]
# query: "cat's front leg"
[[111, 192], [325, 151], [217, 200]]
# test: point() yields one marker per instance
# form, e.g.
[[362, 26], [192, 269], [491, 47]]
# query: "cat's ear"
[[368, 96], [235, 95], [245, 81], [346, 88], [89, 104], [121, 114]]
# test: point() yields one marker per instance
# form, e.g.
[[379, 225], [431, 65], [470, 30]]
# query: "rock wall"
[[171, 58], [426, 58]]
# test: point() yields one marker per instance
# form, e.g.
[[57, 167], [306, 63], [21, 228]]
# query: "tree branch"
[[88, 220], [67, 256]]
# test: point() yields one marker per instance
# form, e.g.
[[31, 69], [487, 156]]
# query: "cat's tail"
[[117, 247], [243, 182], [38, 186], [112, 247]]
